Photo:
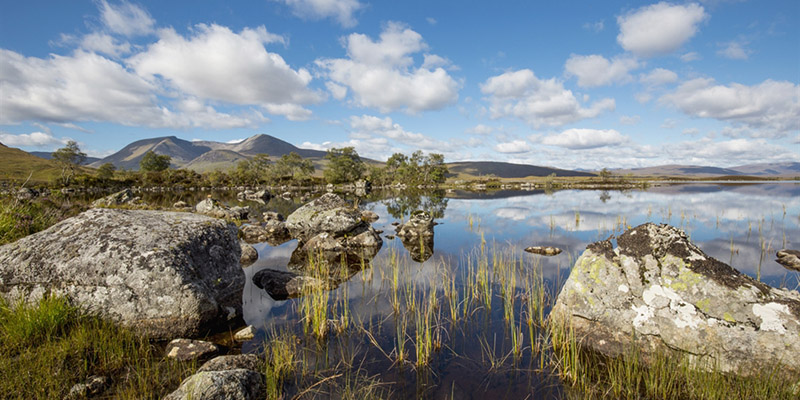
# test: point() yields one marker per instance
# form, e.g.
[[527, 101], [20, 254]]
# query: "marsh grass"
[[47, 347], [20, 218]]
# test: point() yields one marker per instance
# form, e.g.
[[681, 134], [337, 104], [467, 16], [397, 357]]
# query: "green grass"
[[20, 218], [47, 347]]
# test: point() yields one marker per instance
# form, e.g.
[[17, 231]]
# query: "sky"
[[567, 84]]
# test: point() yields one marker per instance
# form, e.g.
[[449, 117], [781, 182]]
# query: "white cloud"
[[629, 120], [690, 56], [594, 26], [658, 77], [368, 126], [691, 131], [381, 73], [340, 10], [90, 87], [734, 50], [513, 147], [579, 139], [480, 129], [659, 28], [643, 97], [773, 106], [538, 102], [126, 18], [796, 139], [218, 64], [105, 44], [431, 20], [34, 139], [596, 70]]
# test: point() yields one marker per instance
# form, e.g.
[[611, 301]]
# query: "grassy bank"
[[20, 218], [48, 347]]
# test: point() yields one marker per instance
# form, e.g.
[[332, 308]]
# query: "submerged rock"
[[544, 250], [282, 285], [658, 292], [416, 234], [166, 274]]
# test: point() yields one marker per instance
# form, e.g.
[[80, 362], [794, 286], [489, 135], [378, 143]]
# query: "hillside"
[[181, 151], [16, 164], [47, 155], [215, 160], [787, 169], [474, 169]]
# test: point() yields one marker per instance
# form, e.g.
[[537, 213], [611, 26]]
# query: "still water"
[[740, 224]]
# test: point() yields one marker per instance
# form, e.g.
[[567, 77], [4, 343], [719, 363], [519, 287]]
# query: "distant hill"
[[787, 169], [186, 154], [16, 164], [470, 169], [48, 155]]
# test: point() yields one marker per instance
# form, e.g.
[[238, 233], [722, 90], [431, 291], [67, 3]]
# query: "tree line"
[[340, 165]]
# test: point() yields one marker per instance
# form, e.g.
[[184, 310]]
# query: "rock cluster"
[[123, 197], [416, 234], [166, 274], [213, 208], [658, 292]]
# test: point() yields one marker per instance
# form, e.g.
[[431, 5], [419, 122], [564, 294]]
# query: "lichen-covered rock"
[[249, 254], [790, 259], [213, 208], [661, 291], [235, 361], [543, 250], [167, 274], [329, 213], [245, 334], [234, 384], [124, 196], [273, 232], [420, 223], [92, 387], [188, 349]]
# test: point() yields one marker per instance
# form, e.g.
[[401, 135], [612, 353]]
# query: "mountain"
[[184, 153], [48, 155], [19, 165], [215, 159], [787, 169], [506, 170]]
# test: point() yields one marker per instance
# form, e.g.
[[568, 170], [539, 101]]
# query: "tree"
[[106, 171], [345, 165], [293, 167], [604, 174], [434, 169], [252, 171], [69, 158], [152, 162]]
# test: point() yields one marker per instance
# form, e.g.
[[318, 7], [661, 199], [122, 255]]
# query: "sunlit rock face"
[[166, 274], [659, 292]]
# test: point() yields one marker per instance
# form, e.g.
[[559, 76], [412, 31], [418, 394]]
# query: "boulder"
[[249, 254], [660, 293], [245, 334], [282, 285], [790, 259], [236, 361], [234, 384], [420, 223], [274, 233], [188, 349], [213, 208], [262, 195], [329, 213], [26, 193], [166, 274], [369, 216], [92, 387], [124, 196]]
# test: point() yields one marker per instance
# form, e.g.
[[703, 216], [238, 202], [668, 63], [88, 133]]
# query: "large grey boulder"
[[329, 213], [234, 384], [167, 274], [658, 292]]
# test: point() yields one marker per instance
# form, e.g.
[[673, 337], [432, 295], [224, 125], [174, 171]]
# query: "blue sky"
[[569, 84]]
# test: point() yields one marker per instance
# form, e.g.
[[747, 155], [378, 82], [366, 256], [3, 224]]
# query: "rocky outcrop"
[[213, 208], [658, 292], [188, 349], [273, 232], [282, 285], [329, 213], [790, 259], [262, 195], [123, 197], [234, 384], [249, 254], [235, 361], [543, 250], [167, 274], [416, 234]]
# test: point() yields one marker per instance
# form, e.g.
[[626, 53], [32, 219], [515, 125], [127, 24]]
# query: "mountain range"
[[785, 169]]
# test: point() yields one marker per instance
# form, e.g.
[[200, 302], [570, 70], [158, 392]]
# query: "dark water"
[[742, 225]]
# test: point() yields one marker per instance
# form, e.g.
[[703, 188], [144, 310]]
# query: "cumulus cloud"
[[658, 77], [538, 102], [629, 120], [595, 27], [381, 73], [596, 70], [340, 10], [513, 147], [660, 28], [734, 50], [368, 126], [217, 64], [126, 18], [690, 56], [773, 107], [35, 139], [480, 129], [579, 139]]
